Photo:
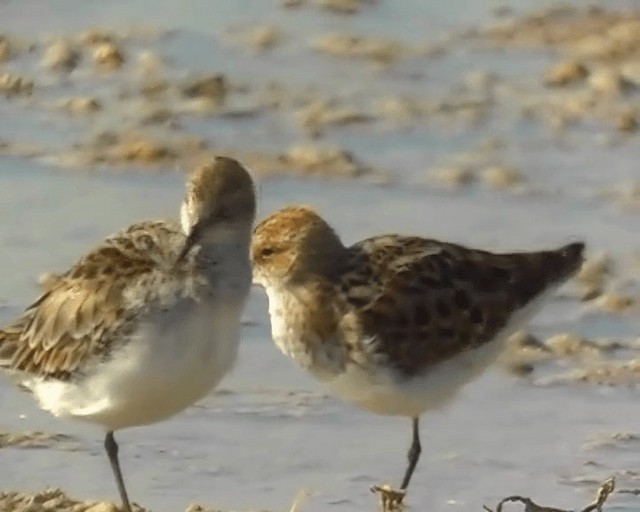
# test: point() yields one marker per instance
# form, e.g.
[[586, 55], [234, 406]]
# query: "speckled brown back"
[[423, 301]]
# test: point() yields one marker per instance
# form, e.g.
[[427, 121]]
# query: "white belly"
[[172, 361], [385, 392]]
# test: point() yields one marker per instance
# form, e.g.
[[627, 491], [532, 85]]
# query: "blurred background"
[[502, 125]]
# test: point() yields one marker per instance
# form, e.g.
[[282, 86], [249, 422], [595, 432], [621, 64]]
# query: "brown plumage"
[[84, 313], [396, 324], [148, 322], [425, 301]]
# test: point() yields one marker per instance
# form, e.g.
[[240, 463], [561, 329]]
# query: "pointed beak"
[[192, 238]]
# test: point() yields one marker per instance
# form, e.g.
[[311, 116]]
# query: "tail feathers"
[[572, 257], [9, 342], [9, 345], [552, 268], [539, 272]]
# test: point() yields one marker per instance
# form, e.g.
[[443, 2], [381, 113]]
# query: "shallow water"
[[271, 430]]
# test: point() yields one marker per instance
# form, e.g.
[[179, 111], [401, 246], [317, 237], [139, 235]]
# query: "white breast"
[[323, 358], [281, 330], [171, 361]]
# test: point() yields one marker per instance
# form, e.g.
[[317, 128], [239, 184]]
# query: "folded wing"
[[422, 301], [83, 314]]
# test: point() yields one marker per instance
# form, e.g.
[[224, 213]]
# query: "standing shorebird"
[[148, 322], [395, 324]]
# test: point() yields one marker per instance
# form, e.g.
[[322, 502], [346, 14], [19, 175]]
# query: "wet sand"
[[510, 127]]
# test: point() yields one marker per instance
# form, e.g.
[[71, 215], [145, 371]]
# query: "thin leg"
[[111, 447], [390, 498], [413, 455]]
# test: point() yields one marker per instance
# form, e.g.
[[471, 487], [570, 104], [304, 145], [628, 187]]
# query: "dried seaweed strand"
[[604, 491]]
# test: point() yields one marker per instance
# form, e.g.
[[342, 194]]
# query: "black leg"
[[111, 447], [413, 455]]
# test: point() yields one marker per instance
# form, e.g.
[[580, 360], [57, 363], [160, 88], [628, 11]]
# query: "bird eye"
[[266, 252]]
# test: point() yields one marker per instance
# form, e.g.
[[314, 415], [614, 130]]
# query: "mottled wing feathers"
[[83, 313], [423, 301], [63, 329]]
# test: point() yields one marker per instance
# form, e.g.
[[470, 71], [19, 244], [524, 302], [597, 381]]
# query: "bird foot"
[[390, 498]]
